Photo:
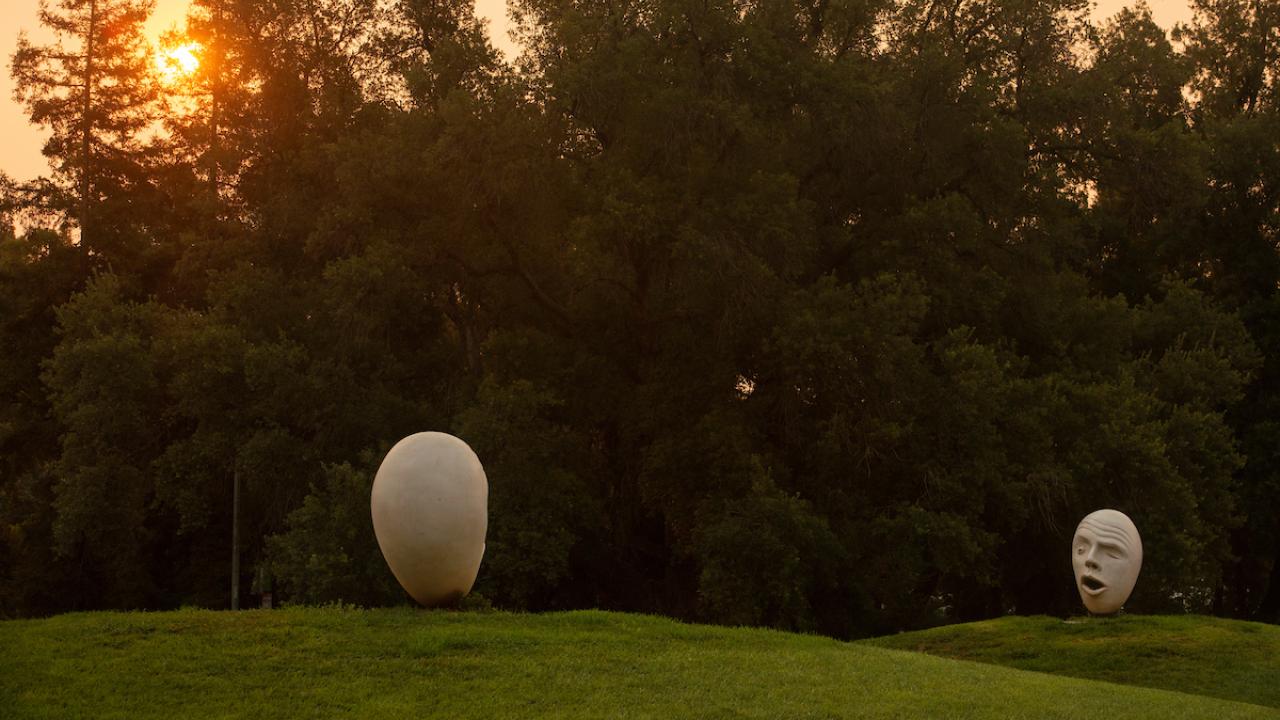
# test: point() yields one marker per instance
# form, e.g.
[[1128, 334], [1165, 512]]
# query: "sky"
[[20, 143]]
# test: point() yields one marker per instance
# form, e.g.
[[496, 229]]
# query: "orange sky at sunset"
[[20, 143]]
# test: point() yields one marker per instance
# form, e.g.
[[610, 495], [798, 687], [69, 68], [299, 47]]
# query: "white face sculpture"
[[1106, 554]]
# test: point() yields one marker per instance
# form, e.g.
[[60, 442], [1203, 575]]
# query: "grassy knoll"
[[1192, 654], [409, 663]]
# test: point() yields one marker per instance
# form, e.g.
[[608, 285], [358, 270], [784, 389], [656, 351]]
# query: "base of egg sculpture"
[[430, 513]]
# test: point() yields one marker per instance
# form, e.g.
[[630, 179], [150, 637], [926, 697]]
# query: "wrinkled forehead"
[[1103, 532]]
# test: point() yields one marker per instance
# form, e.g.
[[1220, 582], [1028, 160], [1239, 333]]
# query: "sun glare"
[[178, 62]]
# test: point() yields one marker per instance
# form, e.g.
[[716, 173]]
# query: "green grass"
[[1192, 654], [406, 663]]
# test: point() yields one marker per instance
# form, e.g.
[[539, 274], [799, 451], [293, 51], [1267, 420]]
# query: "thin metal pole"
[[235, 541]]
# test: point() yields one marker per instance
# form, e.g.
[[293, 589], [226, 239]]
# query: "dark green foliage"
[[105, 391], [539, 508], [328, 553], [832, 316], [38, 272], [766, 559]]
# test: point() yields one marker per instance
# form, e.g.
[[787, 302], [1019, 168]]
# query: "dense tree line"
[[823, 314]]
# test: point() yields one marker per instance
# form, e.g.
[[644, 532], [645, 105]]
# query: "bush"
[[329, 554], [764, 557]]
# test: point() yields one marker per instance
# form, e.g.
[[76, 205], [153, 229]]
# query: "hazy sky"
[[20, 143]]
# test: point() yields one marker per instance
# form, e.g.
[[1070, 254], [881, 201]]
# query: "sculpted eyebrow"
[[1107, 535]]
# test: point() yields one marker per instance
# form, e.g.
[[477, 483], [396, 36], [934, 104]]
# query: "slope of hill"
[[409, 663], [1192, 654]]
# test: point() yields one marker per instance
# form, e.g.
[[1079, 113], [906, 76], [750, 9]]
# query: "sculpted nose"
[[1090, 563]]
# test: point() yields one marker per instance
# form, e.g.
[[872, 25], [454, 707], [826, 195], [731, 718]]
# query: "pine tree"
[[93, 90]]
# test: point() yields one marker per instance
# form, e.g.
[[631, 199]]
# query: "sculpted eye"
[[1080, 550]]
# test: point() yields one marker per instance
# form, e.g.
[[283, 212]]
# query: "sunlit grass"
[[411, 663], [1194, 654]]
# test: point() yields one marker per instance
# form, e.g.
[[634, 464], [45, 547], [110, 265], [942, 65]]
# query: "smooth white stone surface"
[[430, 514], [1106, 554]]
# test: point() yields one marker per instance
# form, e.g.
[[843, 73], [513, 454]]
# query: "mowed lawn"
[[406, 663], [1193, 654]]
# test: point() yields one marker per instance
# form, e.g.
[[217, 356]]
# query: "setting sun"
[[178, 62]]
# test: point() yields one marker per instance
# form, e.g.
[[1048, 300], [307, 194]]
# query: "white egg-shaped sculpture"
[[430, 514]]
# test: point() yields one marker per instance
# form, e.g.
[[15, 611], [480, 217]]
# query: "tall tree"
[[1146, 167], [92, 89], [1235, 48], [277, 83]]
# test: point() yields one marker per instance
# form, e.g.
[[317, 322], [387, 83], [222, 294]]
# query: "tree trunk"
[[235, 540], [215, 96], [86, 129]]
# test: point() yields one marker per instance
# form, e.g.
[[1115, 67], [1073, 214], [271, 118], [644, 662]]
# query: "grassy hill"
[[409, 663], [1202, 655]]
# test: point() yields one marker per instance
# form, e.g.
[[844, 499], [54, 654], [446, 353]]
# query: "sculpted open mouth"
[[1092, 585]]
